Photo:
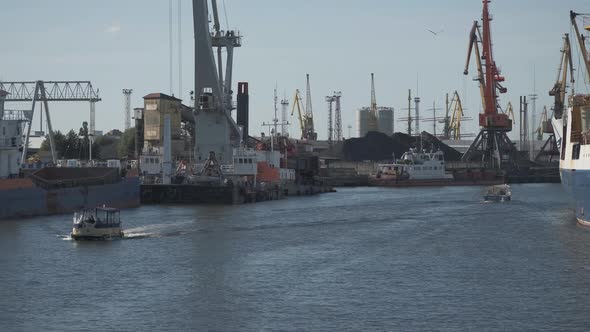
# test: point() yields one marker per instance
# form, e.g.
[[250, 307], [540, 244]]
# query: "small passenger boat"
[[498, 193], [101, 223]]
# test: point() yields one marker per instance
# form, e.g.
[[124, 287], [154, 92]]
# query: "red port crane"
[[492, 146]]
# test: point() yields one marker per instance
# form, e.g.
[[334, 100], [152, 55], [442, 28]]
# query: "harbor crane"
[[559, 88], [558, 92], [456, 116], [305, 117], [491, 147]]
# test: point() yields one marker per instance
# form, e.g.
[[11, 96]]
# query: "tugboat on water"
[[499, 193], [101, 223]]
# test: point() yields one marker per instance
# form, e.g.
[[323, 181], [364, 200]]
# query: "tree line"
[[74, 145]]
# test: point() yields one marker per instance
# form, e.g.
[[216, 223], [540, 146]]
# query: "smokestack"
[[243, 108]]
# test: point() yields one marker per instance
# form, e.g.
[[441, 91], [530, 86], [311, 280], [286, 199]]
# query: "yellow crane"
[[457, 114], [544, 125], [305, 120], [510, 112]]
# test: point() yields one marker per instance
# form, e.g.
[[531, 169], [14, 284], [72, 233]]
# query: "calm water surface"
[[360, 259]]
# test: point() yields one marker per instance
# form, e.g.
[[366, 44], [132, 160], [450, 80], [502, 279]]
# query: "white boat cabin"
[[416, 166]]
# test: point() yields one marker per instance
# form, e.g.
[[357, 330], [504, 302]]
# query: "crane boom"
[[559, 89], [297, 103], [474, 37], [581, 43]]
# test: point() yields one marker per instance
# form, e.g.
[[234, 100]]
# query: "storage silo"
[[362, 121], [385, 120]]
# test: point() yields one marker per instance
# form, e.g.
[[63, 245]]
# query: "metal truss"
[[54, 91]]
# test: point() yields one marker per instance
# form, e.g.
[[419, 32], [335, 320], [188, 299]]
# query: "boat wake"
[[129, 235]]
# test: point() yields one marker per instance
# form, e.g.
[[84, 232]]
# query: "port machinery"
[[44, 92], [550, 148], [491, 146], [306, 117]]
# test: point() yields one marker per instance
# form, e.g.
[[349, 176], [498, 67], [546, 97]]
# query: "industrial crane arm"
[[297, 102], [474, 39], [581, 43], [559, 88]]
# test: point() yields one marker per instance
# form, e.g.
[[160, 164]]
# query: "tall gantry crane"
[[44, 92], [305, 117], [492, 146]]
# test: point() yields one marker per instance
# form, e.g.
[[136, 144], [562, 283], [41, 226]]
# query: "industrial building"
[[385, 118], [10, 140]]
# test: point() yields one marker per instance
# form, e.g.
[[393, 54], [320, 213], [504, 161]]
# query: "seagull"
[[435, 33]]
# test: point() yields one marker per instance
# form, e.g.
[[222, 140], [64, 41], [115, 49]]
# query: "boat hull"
[[577, 184], [432, 183], [497, 198], [30, 201], [96, 237]]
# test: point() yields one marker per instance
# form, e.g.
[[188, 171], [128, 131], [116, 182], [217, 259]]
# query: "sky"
[[125, 45]]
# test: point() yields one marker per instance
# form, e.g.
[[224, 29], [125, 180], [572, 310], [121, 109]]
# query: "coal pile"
[[380, 147]]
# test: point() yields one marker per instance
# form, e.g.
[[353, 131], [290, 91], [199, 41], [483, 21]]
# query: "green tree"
[[59, 140], [127, 144], [72, 145]]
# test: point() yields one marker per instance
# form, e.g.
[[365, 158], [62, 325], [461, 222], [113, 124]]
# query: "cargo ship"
[[572, 132], [53, 190], [571, 126]]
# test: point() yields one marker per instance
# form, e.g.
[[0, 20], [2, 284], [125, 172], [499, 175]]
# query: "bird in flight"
[[434, 33]]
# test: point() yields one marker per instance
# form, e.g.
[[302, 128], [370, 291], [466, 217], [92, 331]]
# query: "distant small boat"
[[101, 223], [498, 193]]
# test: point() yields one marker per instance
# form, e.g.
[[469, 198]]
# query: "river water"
[[384, 259]]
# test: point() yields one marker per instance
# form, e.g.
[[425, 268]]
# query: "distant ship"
[[421, 168], [414, 168]]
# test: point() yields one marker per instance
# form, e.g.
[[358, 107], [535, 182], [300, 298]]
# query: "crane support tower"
[[330, 100], [127, 100], [337, 117], [284, 112], [215, 130], [491, 147]]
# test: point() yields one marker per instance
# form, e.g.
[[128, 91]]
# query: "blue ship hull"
[[37, 201], [577, 185]]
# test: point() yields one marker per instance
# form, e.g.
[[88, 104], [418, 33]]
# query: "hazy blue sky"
[[124, 44]]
